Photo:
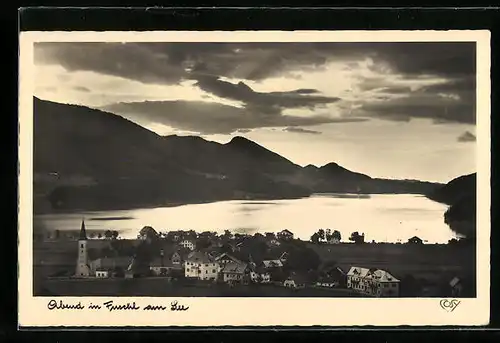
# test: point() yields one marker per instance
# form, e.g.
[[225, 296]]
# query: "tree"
[[92, 235], [99, 235], [148, 232], [336, 235], [357, 238], [227, 234], [258, 235], [315, 238], [321, 234], [108, 234], [328, 234], [114, 234]]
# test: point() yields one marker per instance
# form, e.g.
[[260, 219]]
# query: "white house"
[[327, 282], [201, 266], [101, 273], [260, 277], [187, 243], [375, 282], [295, 281], [334, 240]]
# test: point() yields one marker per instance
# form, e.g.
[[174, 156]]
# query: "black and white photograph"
[[256, 169]]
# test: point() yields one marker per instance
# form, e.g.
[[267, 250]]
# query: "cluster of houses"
[[182, 259]]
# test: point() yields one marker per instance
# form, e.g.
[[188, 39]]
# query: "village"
[[273, 260]]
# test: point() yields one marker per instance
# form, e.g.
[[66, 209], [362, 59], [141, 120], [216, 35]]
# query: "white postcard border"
[[33, 311]]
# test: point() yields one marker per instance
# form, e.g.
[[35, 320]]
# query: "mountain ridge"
[[101, 160]]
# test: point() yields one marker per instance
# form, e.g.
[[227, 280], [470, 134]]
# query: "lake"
[[383, 218]]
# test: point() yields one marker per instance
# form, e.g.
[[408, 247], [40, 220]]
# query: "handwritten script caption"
[[449, 305], [112, 306]]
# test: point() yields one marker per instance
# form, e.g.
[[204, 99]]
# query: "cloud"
[[467, 137], [396, 81], [271, 102], [212, 117], [425, 103], [168, 62], [301, 130], [243, 130]]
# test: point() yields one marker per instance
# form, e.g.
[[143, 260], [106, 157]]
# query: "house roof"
[[332, 269], [287, 231], [376, 274], [272, 263], [102, 270], [112, 262], [234, 259], [199, 256], [232, 267]]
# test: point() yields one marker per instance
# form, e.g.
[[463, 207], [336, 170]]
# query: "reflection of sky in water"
[[381, 217]]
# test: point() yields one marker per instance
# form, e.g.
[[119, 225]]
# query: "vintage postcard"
[[254, 178]]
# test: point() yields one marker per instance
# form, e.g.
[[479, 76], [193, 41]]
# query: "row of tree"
[[108, 234], [328, 235]]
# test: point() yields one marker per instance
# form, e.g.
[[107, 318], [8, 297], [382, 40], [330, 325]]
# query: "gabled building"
[[260, 275], [335, 273], [296, 281], [272, 264], [327, 282], [202, 266], [188, 243], [110, 266], [163, 264], [234, 272], [415, 240], [226, 258], [374, 282]]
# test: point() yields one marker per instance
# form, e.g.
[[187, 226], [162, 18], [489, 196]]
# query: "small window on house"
[[213, 270], [187, 270], [81, 245]]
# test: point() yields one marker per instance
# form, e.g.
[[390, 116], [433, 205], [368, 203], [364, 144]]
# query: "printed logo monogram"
[[449, 305]]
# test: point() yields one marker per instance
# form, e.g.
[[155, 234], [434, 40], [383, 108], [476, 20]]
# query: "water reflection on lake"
[[389, 218]]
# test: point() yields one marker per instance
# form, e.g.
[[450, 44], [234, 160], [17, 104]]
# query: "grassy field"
[[427, 261], [432, 262], [161, 287]]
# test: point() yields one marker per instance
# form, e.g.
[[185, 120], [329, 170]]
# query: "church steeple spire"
[[83, 232]]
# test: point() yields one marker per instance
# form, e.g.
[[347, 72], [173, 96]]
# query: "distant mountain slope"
[[89, 159], [460, 194], [455, 190]]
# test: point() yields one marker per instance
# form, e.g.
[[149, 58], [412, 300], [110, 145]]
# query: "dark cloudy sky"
[[402, 110]]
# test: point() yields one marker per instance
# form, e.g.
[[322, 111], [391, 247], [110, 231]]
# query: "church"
[[102, 267]]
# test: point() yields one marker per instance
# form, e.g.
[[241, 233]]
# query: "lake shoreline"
[[47, 210]]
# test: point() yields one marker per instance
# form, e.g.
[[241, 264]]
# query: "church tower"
[[82, 265]]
